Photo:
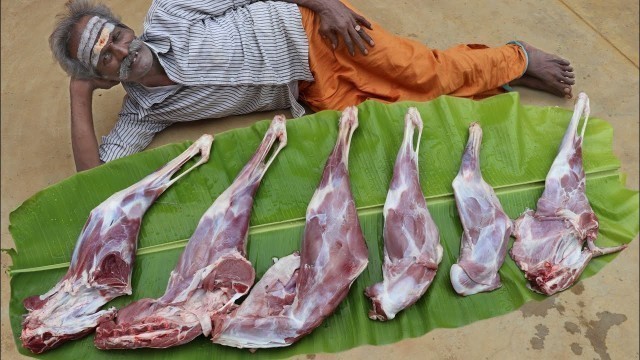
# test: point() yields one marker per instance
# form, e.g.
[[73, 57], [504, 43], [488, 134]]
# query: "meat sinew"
[[102, 261], [412, 249], [297, 293], [211, 273], [486, 227], [549, 245]]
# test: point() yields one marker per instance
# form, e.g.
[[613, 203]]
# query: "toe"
[[567, 68], [547, 86], [568, 74], [559, 77], [562, 61]]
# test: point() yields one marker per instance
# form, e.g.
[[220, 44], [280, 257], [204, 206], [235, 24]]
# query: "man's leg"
[[545, 72], [402, 69]]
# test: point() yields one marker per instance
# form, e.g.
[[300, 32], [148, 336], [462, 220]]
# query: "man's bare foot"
[[547, 72], [537, 84]]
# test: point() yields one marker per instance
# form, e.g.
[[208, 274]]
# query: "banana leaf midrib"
[[363, 210]]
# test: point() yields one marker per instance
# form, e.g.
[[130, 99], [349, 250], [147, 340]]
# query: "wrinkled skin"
[[339, 21]]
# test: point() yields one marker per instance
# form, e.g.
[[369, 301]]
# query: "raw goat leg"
[[412, 249], [211, 273], [549, 245], [296, 294], [101, 264], [486, 227]]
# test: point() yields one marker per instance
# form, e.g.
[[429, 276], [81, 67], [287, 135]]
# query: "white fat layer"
[[393, 302], [266, 334], [70, 309]]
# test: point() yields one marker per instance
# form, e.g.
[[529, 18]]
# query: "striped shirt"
[[228, 57]]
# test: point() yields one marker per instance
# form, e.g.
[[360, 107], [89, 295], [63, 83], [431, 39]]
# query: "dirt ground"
[[597, 318]]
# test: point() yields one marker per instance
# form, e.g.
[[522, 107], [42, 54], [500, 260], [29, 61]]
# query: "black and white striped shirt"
[[228, 57]]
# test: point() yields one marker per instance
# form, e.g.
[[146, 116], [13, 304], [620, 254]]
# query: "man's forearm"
[[83, 138]]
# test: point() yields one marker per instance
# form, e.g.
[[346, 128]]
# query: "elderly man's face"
[[120, 55]]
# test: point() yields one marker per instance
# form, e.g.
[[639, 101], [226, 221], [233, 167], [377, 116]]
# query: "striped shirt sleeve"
[[131, 134], [194, 9]]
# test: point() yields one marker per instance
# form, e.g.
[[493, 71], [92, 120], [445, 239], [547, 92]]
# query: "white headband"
[[88, 53]]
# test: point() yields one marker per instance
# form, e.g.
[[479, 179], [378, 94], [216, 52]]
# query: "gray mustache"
[[125, 67]]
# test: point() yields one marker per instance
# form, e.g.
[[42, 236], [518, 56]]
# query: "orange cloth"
[[397, 69]]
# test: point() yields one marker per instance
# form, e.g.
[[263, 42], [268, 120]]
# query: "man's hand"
[[337, 20]]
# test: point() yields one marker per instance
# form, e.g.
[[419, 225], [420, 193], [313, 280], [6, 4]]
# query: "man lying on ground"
[[199, 59]]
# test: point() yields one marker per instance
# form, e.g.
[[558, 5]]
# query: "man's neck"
[[156, 75]]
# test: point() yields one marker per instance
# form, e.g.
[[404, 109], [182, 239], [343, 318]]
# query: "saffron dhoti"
[[398, 69]]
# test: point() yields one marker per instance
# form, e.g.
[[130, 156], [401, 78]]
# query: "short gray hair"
[[59, 39]]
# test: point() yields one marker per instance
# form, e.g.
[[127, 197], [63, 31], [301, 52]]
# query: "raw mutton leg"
[[412, 249], [264, 318], [297, 293], [211, 273], [102, 261], [549, 243], [486, 227]]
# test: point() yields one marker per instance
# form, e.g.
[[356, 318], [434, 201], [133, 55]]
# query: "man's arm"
[[337, 20], [132, 133], [83, 138], [199, 9]]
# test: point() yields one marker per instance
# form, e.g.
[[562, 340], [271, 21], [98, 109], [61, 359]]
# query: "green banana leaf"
[[519, 144]]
